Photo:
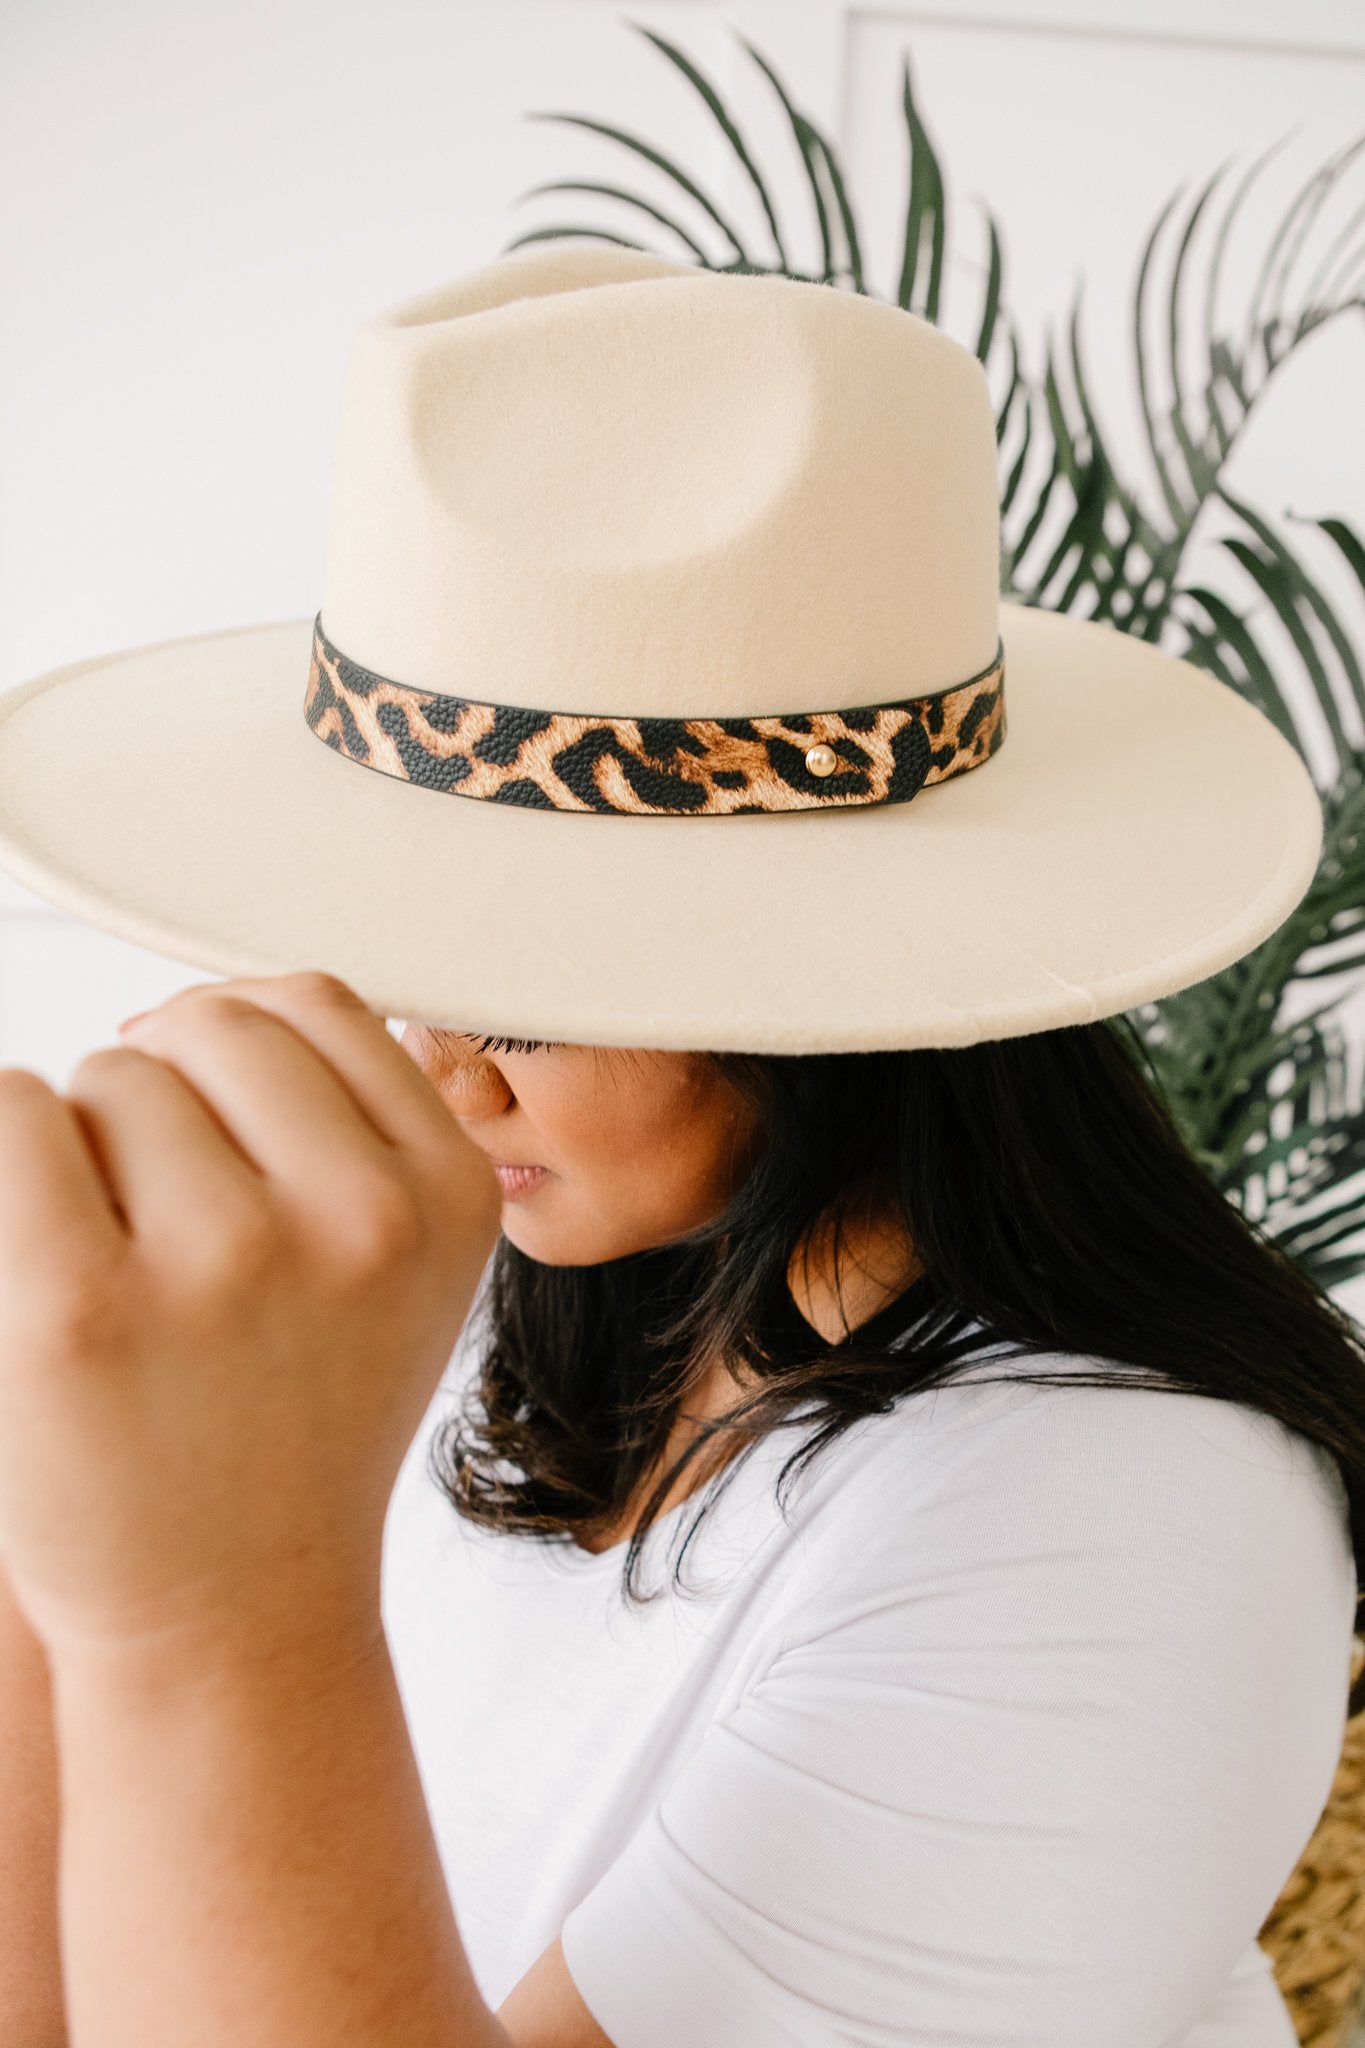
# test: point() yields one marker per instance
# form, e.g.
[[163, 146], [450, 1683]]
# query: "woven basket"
[[1315, 1934]]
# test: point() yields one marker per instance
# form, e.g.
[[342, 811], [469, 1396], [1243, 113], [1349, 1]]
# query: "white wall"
[[200, 203]]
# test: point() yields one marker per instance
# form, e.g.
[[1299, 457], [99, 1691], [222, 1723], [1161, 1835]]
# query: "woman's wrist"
[[274, 1658]]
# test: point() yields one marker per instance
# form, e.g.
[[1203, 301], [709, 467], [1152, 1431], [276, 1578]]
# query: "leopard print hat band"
[[676, 767]]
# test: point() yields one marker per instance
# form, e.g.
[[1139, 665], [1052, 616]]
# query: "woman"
[[944, 1703]]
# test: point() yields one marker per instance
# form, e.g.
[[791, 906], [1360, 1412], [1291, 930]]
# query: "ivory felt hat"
[[661, 694]]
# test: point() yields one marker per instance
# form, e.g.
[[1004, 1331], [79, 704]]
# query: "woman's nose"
[[468, 1084]]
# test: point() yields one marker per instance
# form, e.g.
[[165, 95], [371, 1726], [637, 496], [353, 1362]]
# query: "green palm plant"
[[1265, 1104]]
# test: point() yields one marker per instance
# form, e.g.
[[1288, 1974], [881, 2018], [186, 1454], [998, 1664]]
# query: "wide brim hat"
[[665, 604]]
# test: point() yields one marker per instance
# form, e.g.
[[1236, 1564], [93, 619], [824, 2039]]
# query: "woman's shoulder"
[[1061, 1402], [1060, 1664], [1021, 1468]]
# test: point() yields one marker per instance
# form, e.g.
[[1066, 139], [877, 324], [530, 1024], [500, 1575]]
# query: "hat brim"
[[1140, 827]]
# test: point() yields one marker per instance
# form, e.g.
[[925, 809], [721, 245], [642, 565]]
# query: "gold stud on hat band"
[[667, 767]]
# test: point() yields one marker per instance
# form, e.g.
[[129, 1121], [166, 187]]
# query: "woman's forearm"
[[31, 2014], [246, 1857]]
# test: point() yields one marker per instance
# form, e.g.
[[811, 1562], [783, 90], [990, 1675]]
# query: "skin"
[[642, 1145], [234, 1258]]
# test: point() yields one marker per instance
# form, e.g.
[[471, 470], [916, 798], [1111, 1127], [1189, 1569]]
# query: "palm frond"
[[926, 210], [1229, 638], [716, 107], [627, 199], [555, 234], [1180, 511], [652, 156], [1298, 602], [815, 153], [990, 303]]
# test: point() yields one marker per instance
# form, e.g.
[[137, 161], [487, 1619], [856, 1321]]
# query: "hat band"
[[679, 767]]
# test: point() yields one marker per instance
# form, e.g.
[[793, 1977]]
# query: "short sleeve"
[[1056, 1706]]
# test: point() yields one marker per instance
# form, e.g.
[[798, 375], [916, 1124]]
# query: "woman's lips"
[[519, 1180]]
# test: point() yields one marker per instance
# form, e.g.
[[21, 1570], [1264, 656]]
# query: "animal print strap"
[[681, 767]]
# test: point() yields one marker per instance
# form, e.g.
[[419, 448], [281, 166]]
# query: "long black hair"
[[1049, 1198]]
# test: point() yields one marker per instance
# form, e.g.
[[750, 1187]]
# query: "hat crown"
[[594, 480]]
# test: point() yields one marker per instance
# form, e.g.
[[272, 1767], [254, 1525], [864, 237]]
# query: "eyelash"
[[515, 1044]]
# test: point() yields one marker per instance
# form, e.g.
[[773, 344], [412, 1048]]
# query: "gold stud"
[[822, 760]]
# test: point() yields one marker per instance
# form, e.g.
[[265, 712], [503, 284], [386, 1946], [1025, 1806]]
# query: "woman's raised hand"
[[235, 1257]]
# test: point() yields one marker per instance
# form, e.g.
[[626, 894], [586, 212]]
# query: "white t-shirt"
[[1013, 1736]]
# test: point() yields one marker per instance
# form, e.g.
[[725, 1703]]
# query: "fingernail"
[[136, 1019]]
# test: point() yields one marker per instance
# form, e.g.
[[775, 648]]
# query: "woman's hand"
[[234, 1259]]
